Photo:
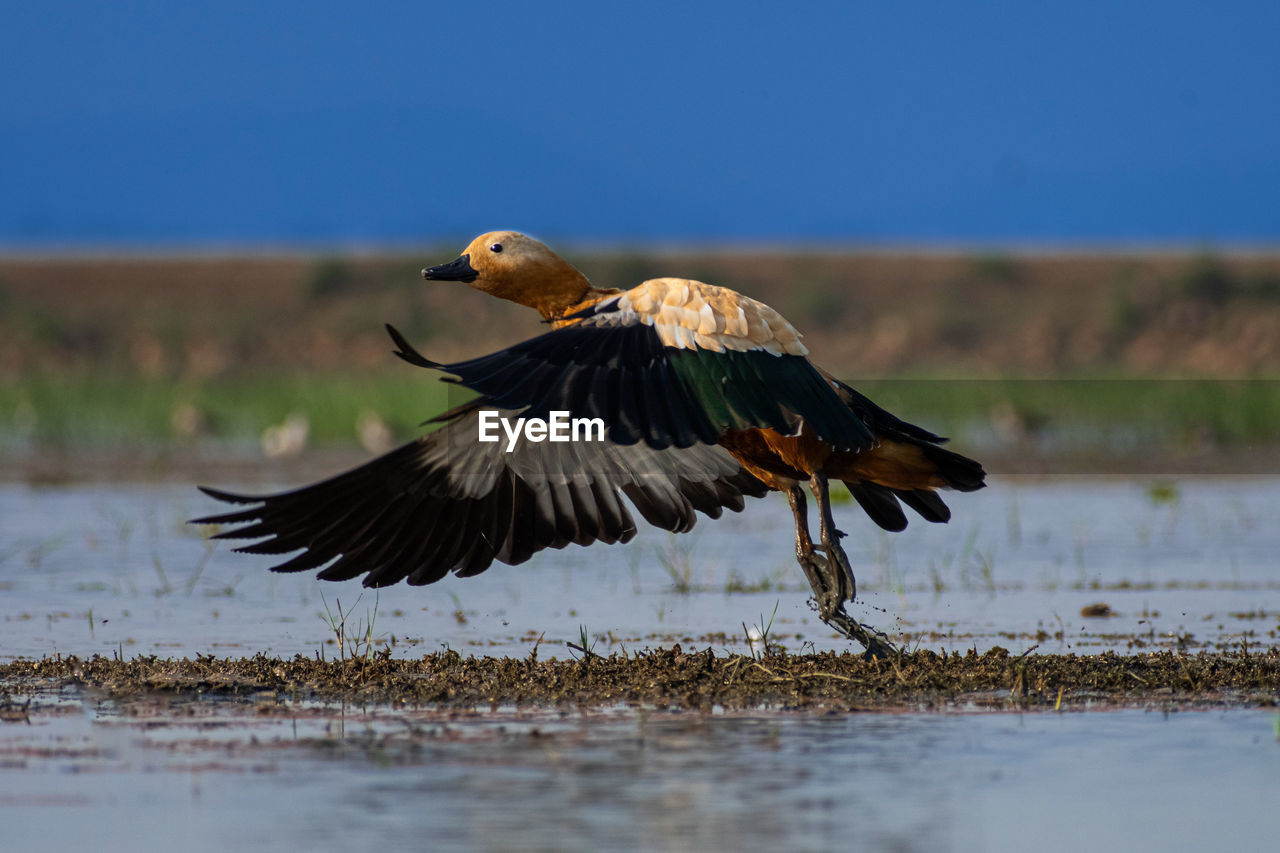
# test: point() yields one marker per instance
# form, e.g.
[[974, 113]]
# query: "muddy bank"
[[864, 313], [678, 680]]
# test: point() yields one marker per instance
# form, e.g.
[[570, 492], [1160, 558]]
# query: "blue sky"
[[170, 123]]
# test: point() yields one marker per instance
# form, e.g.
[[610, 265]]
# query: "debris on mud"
[[678, 680]]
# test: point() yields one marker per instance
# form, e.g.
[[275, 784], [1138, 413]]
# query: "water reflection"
[[619, 779]]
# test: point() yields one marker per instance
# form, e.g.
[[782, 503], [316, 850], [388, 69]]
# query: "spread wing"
[[448, 502], [670, 363]]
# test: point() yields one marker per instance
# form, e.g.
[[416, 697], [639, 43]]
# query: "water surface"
[[115, 569]]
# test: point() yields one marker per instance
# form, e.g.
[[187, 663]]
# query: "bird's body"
[[708, 397]]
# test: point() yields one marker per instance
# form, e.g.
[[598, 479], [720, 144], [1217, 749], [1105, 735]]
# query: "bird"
[[707, 397]]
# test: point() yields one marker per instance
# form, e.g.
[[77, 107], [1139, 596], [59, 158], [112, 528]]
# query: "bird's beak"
[[459, 270]]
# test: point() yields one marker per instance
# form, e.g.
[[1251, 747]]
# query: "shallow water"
[[115, 569], [201, 778]]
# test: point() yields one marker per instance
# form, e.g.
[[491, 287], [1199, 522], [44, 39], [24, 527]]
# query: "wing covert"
[[652, 385]]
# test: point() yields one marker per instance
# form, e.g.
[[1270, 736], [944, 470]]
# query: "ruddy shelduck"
[[708, 397]]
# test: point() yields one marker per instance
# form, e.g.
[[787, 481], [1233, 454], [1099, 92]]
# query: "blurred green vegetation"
[[329, 277], [996, 267], [122, 410], [1115, 414], [1210, 278], [58, 410]]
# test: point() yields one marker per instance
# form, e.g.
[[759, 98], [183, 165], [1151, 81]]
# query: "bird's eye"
[[496, 247]]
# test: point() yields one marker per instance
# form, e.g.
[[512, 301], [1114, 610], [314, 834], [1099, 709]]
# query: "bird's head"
[[517, 267]]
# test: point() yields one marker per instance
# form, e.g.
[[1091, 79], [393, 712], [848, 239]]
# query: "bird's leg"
[[815, 568], [840, 574], [836, 576]]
